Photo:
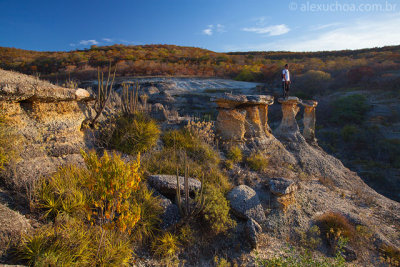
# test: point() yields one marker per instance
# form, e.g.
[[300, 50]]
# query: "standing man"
[[285, 81]]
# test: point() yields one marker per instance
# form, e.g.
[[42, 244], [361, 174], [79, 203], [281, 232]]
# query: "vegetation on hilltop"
[[164, 60]]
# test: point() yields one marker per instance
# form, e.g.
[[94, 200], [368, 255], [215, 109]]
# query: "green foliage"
[[246, 75], [194, 146], [350, 109], [257, 161], [228, 164], [167, 161], [216, 210], [311, 238], [303, 259], [135, 134], [165, 246], [348, 132], [186, 235], [313, 82], [235, 154], [69, 242], [221, 262], [150, 210], [62, 193]]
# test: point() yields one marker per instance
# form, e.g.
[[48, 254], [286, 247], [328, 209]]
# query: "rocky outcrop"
[[166, 184], [309, 120], [246, 204], [46, 119], [12, 226], [242, 117], [281, 186]]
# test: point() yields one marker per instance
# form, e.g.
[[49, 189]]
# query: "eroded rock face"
[[241, 117], [309, 120], [288, 124], [282, 186], [47, 121]]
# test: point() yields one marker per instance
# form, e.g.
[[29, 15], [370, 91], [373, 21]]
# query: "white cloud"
[[71, 44], [260, 21], [208, 31], [355, 34], [108, 40], [324, 26], [88, 42], [214, 28], [272, 30]]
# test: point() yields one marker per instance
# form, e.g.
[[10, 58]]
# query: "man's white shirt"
[[287, 75]]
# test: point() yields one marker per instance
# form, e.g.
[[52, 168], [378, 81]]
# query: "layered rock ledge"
[[46, 119]]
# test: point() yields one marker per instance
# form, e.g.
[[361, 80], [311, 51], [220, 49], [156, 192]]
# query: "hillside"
[[171, 60]]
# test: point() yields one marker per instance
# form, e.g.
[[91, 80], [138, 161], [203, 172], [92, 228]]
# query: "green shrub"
[[62, 193], [235, 154], [257, 161], [350, 109], [216, 210], [166, 161], [165, 246], [313, 82], [195, 148], [150, 211], [228, 164], [69, 242], [135, 134], [186, 235], [348, 132]]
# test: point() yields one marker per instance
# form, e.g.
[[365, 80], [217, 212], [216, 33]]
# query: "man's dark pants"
[[285, 88]]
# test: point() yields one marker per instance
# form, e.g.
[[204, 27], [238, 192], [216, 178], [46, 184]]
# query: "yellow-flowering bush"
[[111, 183]]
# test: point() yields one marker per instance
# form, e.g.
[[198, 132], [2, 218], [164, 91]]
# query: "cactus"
[[190, 208], [104, 91], [130, 99]]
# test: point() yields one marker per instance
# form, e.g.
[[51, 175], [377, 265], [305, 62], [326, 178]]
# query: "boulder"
[[246, 204], [158, 112], [12, 226], [166, 184], [152, 90], [170, 215], [252, 231], [282, 186]]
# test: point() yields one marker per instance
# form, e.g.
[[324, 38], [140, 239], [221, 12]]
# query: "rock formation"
[[288, 126], [309, 120], [242, 117], [47, 119]]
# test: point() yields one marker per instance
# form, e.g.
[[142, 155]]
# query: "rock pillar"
[[309, 120], [290, 109]]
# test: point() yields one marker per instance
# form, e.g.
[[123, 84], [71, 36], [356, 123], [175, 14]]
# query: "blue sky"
[[218, 25]]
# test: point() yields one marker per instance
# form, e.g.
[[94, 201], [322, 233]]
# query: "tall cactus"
[[189, 208], [130, 98]]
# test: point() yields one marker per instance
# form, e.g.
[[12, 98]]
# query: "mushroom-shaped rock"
[[246, 204], [166, 184], [242, 116], [309, 120], [289, 111], [282, 186], [252, 230]]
